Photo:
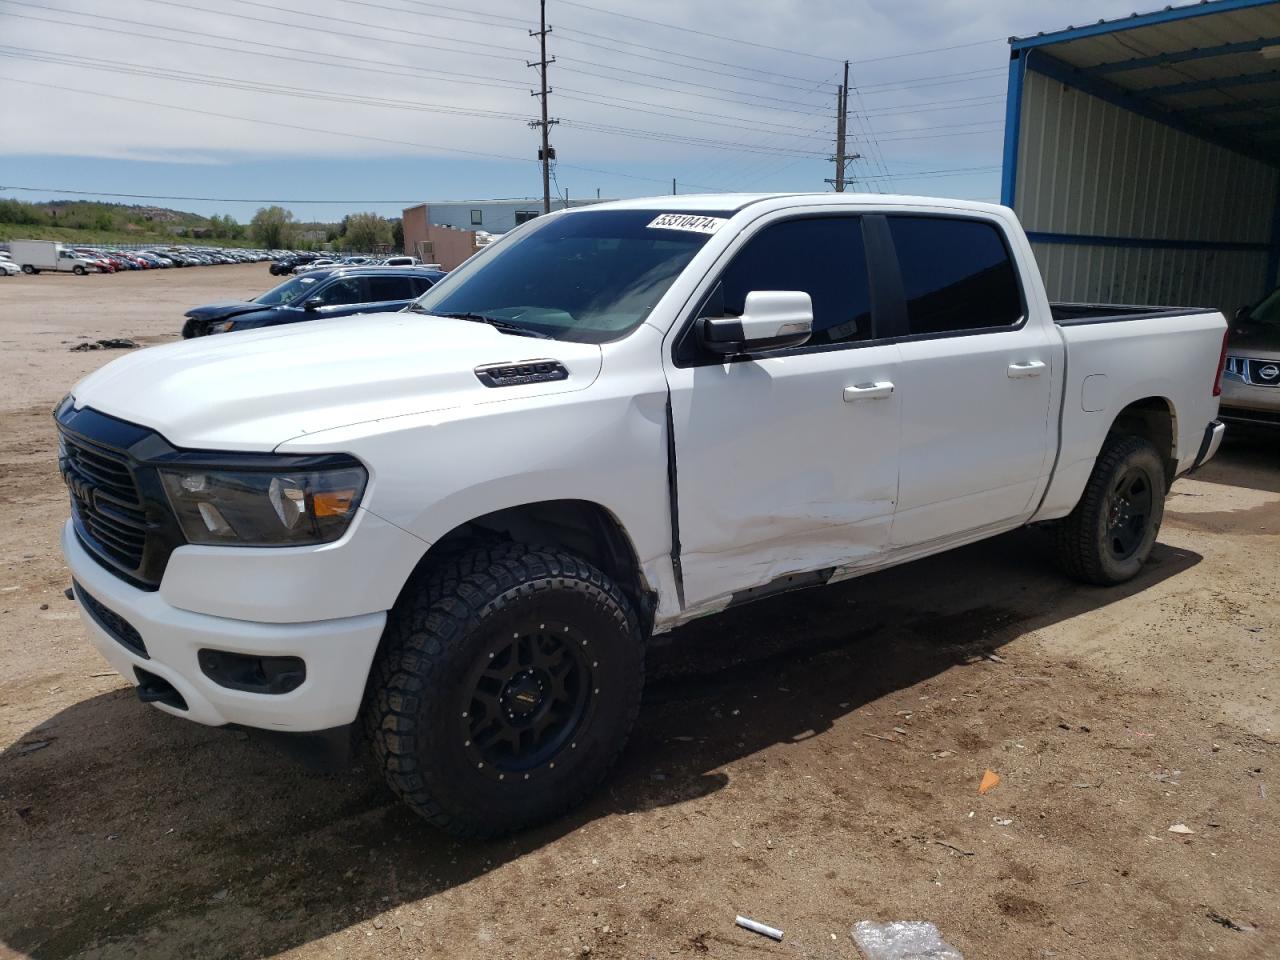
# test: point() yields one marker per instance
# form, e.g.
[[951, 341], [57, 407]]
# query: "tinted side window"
[[420, 285], [956, 274], [343, 291], [822, 256], [389, 288]]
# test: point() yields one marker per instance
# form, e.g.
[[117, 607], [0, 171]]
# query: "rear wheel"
[[29, 269], [509, 682], [1109, 535]]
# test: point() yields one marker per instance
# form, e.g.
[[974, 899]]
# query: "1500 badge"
[[521, 372]]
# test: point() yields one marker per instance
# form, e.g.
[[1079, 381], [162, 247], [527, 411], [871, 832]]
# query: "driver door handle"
[[1029, 368], [868, 391]]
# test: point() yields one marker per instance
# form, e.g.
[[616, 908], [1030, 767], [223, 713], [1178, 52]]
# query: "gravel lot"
[[809, 761]]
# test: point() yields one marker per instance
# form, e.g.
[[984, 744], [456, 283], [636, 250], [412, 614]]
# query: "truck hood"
[[1256, 340], [253, 391], [223, 309]]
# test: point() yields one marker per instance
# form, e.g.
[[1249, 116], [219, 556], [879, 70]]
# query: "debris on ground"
[[990, 780], [902, 940], [773, 933], [1181, 828], [1227, 922], [31, 746], [109, 343]]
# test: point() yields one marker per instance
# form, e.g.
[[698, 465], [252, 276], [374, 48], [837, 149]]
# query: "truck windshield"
[[291, 291], [590, 276]]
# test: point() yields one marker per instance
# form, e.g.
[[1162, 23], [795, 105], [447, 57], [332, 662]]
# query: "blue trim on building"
[[1236, 106], [1183, 56], [1168, 15], [1193, 86], [1098, 240], [1103, 89], [1012, 129]]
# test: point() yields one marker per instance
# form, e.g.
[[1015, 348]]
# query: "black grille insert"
[[105, 500], [119, 629]]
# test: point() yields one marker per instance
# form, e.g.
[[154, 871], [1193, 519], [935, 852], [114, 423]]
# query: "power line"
[[311, 93], [424, 72], [335, 133], [700, 33]]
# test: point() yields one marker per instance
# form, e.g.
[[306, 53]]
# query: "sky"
[[333, 106]]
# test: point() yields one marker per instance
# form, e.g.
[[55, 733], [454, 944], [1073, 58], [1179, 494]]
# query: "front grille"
[[1263, 373], [118, 506], [120, 630], [105, 501]]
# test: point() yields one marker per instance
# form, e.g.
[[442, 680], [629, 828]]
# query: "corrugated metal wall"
[[1089, 168]]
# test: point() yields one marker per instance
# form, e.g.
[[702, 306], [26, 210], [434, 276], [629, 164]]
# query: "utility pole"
[[547, 153], [673, 186], [842, 158]]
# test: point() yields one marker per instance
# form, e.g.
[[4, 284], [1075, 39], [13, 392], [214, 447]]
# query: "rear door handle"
[[868, 391], [1029, 368]]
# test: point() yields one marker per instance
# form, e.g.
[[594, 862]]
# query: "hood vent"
[[521, 372]]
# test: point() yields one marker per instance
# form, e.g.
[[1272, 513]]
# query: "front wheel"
[[509, 682], [1109, 535], [78, 270]]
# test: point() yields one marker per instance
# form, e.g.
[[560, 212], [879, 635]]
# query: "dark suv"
[[335, 292]]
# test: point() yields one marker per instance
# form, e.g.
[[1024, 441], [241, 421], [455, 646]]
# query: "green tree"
[[272, 227], [397, 235], [366, 231]]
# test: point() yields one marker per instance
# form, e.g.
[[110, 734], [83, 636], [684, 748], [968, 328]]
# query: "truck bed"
[[1074, 314]]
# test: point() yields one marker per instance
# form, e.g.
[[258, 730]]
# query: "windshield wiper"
[[506, 326]]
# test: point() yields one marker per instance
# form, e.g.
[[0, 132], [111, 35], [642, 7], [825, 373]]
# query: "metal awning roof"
[[1211, 68]]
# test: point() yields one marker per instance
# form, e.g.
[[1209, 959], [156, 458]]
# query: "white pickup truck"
[[455, 528]]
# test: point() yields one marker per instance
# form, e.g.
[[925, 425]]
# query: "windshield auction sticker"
[[686, 221]]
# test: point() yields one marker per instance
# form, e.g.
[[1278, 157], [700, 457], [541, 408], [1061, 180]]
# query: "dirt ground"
[[809, 761]]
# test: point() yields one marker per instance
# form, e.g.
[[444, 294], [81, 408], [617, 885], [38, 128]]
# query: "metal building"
[[1143, 155]]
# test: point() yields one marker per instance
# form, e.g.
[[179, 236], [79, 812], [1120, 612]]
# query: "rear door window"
[[957, 275], [389, 288]]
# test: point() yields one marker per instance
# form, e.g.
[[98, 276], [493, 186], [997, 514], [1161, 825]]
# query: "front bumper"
[[337, 653]]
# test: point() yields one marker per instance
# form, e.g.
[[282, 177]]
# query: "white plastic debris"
[[746, 923], [902, 940]]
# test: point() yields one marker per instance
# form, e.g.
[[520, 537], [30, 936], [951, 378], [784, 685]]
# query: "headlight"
[[264, 508]]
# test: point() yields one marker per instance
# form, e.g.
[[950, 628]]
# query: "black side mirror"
[[312, 305], [1242, 313]]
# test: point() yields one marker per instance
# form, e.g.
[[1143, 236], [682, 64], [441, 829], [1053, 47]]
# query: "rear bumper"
[[1210, 443], [138, 630]]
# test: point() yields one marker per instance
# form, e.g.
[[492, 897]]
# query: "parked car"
[[284, 264], [1251, 380], [336, 292], [8, 268], [612, 421], [402, 262], [321, 264]]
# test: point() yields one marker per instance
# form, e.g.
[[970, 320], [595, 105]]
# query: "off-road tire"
[[1086, 549], [444, 630]]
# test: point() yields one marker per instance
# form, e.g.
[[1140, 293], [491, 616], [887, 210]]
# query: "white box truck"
[[36, 255]]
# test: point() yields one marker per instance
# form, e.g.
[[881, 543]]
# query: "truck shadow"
[[1249, 457], [130, 832]]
